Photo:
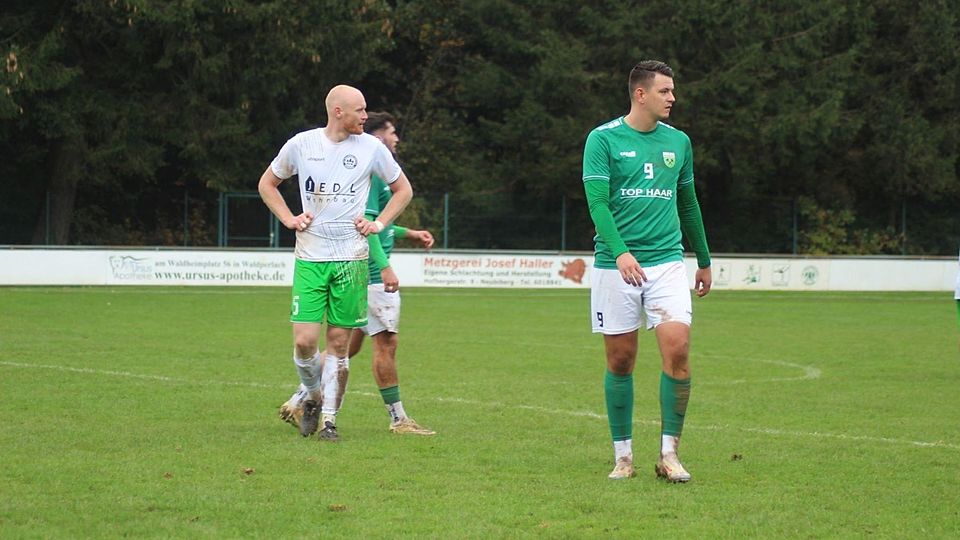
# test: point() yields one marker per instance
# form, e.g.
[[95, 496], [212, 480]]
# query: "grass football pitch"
[[151, 412]]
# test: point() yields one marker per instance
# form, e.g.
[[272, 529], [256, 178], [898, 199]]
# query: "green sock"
[[618, 390], [390, 395], [674, 394]]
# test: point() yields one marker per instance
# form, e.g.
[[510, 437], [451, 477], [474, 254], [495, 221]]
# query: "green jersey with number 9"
[[644, 170]]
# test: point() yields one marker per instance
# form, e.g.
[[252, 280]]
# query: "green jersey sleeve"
[[686, 168], [691, 222], [377, 255], [598, 202], [596, 158]]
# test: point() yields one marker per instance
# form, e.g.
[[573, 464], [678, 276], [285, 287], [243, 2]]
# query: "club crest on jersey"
[[669, 159], [350, 161]]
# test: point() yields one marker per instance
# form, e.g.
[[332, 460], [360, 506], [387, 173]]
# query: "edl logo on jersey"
[[312, 187], [669, 159]]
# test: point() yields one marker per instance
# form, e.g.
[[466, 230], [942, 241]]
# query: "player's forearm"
[[691, 223], [402, 194], [399, 232], [271, 196], [598, 202], [377, 254]]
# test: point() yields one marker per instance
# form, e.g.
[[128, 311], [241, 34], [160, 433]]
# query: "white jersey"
[[334, 183]]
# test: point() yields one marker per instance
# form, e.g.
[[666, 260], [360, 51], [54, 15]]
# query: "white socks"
[[622, 448], [309, 370], [668, 444], [396, 411], [299, 396], [335, 373]]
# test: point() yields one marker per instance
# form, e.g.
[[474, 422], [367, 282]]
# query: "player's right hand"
[[391, 283], [299, 223], [366, 227], [630, 269]]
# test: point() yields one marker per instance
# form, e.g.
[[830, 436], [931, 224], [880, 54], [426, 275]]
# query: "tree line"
[[840, 114]]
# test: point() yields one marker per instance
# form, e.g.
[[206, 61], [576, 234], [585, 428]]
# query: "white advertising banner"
[[144, 267], [433, 269], [478, 270]]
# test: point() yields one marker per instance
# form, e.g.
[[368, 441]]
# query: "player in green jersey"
[[383, 299], [638, 178]]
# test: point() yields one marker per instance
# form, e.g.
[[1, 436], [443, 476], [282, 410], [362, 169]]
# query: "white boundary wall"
[[69, 266]]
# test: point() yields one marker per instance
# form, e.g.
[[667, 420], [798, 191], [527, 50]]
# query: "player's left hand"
[[702, 281], [367, 227], [391, 283], [424, 237]]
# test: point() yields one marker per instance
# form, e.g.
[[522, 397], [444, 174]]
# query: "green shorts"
[[335, 291]]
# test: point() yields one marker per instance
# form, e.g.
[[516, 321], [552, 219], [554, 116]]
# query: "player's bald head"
[[346, 110], [344, 97]]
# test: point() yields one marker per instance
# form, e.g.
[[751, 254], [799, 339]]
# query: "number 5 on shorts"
[[600, 318], [295, 308]]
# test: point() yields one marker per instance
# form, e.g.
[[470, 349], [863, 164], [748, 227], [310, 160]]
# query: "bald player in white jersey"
[[333, 164]]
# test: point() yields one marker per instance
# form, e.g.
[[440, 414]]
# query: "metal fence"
[[508, 221], [512, 222]]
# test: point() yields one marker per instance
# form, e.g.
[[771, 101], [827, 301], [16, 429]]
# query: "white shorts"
[[383, 311], [618, 307]]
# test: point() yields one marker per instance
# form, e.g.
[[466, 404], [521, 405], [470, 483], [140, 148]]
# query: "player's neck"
[[640, 121], [335, 133]]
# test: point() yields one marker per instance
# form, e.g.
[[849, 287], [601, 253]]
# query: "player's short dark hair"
[[645, 71], [378, 120]]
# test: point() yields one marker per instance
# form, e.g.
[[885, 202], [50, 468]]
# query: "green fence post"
[[446, 220], [186, 218], [795, 225], [274, 231], [903, 227], [220, 220], [563, 223], [46, 224]]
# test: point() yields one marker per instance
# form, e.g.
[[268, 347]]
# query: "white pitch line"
[[809, 372], [130, 375], [535, 408]]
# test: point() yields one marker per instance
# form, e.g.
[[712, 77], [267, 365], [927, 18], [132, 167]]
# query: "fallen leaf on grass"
[[337, 508]]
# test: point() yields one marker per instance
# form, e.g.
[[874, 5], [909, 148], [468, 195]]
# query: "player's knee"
[[391, 345], [306, 342], [305, 348], [621, 362], [677, 364], [386, 342]]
